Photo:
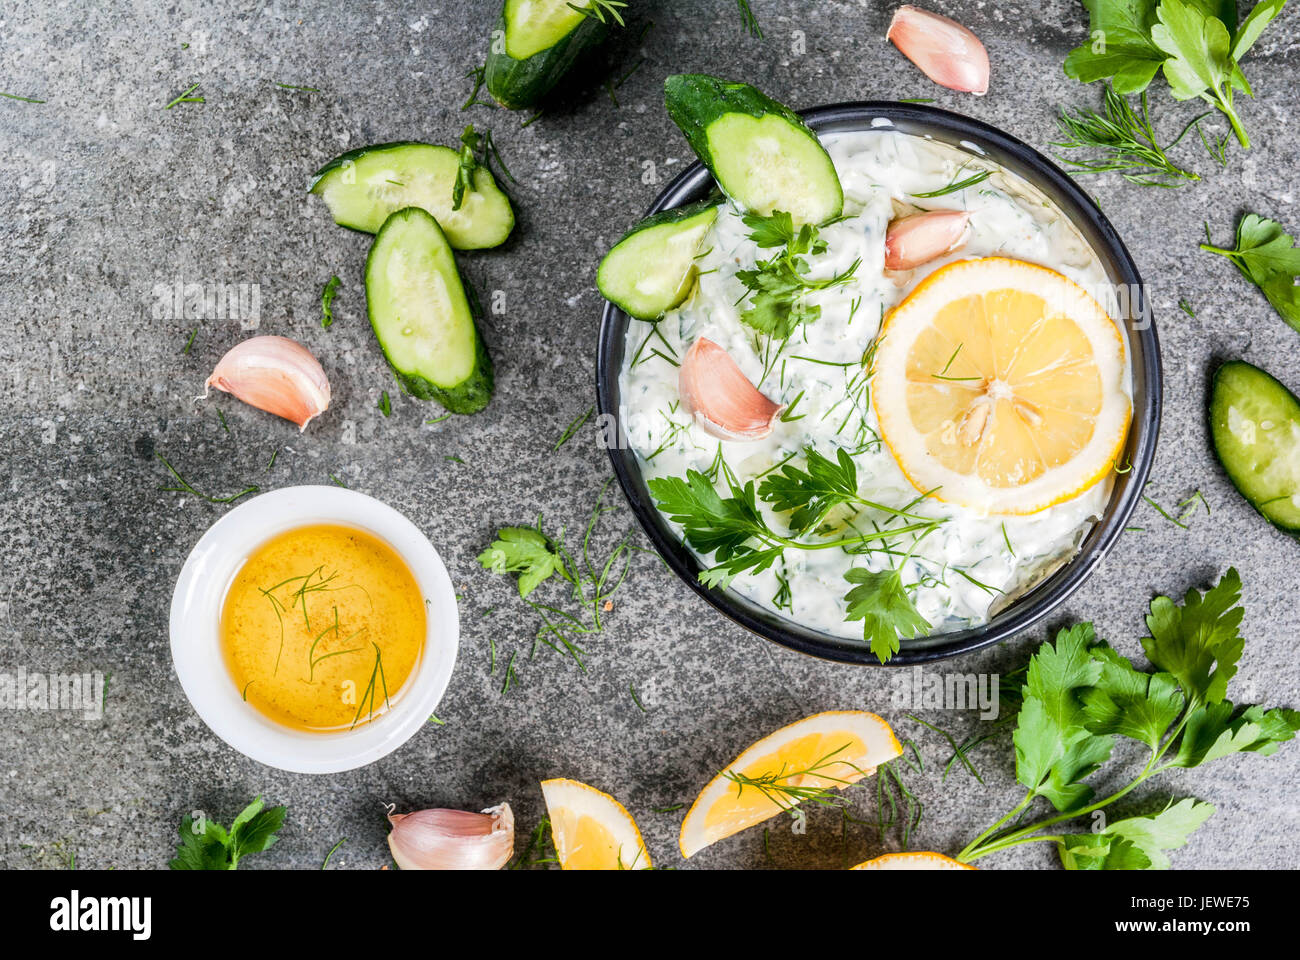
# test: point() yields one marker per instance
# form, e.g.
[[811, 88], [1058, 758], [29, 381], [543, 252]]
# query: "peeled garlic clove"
[[453, 839], [720, 398], [946, 52], [920, 238], [274, 374]]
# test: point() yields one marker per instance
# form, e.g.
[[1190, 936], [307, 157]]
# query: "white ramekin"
[[196, 612]]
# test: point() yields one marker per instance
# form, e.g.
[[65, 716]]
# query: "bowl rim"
[[1038, 602], [200, 666]]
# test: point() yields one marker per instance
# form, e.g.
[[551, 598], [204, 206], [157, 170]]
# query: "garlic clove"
[[946, 52], [721, 398], [920, 238], [274, 374], [452, 839]]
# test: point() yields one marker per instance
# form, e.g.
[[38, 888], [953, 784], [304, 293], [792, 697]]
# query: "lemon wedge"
[[1001, 386], [823, 752], [592, 830], [913, 861]]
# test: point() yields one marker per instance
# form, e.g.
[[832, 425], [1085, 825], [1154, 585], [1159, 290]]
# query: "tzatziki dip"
[[966, 531]]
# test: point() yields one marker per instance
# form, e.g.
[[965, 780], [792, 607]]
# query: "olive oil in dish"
[[321, 627]]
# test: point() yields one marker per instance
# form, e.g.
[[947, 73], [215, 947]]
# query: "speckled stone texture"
[[109, 199]]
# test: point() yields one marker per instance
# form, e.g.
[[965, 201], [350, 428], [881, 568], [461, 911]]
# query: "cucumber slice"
[[763, 156], [1255, 426], [363, 187], [540, 40], [652, 269], [421, 316]]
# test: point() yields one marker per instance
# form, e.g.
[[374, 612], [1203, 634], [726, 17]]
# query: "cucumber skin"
[[675, 215], [1220, 375], [352, 156], [668, 216], [516, 84], [470, 395], [696, 100]]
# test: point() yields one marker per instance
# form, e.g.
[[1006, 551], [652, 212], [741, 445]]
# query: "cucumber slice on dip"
[[421, 316], [363, 187], [763, 156], [539, 40], [651, 270], [1255, 425]]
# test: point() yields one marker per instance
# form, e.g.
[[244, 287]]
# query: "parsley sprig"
[[207, 845], [1080, 694], [1267, 256], [777, 287], [734, 530]]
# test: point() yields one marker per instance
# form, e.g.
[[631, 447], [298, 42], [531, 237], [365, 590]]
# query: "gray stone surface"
[[106, 195]]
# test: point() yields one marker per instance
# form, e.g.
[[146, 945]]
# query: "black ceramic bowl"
[[695, 183]]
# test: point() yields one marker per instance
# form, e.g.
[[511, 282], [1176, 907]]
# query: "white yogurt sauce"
[[971, 565]]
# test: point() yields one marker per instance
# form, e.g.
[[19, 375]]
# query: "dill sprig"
[[376, 673], [540, 849], [787, 789], [1127, 143], [14, 96], [184, 486], [955, 186], [600, 9]]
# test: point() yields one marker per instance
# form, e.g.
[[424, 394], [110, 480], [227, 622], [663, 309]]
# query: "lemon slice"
[[1001, 386], [825, 751], [592, 830], [913, 861]]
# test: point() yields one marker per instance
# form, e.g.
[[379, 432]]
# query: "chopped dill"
[[338, 481], [385, 404], [436, 720], [190, 342], [749, 21], [326, 862], [635, 699], [445, 416], [670, 809], [574, 426], [14, 96], [186, 98], [480, 78], [290, 86]]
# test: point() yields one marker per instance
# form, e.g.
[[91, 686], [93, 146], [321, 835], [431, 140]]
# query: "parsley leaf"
[[525, 551], [886, 610], [1196, 43], [1198, 643], [1136, 843], [812, 494], [712, 524], [1129, 702], [212, 847], [1054, 748], [1267, 256], [1217, 730]]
